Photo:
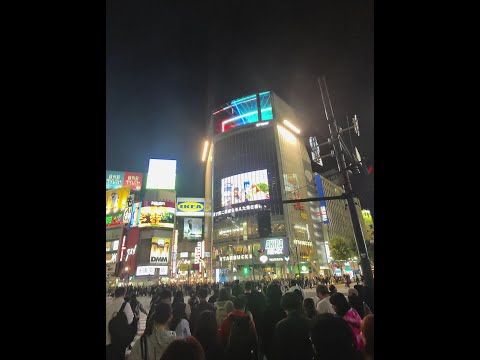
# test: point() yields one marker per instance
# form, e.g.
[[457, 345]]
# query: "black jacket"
[[256, 304], [292, 338], [271, 318]]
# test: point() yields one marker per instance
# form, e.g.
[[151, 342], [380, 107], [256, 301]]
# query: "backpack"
[[221, 313], [241, 340], [120, 331]]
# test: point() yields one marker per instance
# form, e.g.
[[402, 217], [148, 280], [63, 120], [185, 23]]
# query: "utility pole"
[[298, 261], [339, 151]]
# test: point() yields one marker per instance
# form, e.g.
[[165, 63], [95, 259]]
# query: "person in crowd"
[[323, 305], [332, 289], [350, 315], [273, 314], [299, 294], [117, 343], [256, 304], [357, 303], [202, 306], [332, 338], [294, 329], [229, 292], [155, 341], [179, 322], [214, 297], [185, 349], [206, 333], [309, 308], [294, 286], [237, 334], [136, 306], [179, 298], [237, 288], [223, 305], [367, 335]]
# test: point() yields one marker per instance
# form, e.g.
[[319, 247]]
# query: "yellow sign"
[[117, 199], [183, 267]]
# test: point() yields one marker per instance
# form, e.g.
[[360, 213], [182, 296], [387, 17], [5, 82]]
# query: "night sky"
[[167, 68]]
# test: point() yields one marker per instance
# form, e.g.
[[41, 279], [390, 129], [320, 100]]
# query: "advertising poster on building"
[[191, 207], [114, 179], [275, 246], [157, 216], [192, 228], [323, 203], [160, 251], [117, 199], [241, 188], [134, 180]]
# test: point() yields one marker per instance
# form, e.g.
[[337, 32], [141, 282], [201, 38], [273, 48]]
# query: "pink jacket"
[[354, 320]]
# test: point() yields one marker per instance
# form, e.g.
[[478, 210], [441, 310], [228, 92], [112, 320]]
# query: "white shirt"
[[324, 306], [113, 308], [183, 329]]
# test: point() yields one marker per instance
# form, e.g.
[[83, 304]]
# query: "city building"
[[256, 160]]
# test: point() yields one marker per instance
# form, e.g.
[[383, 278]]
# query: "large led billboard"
[[118, 179], [116, 200], [160, 251], [161, 174], [192, 228], [191, 207], [243, 111], [241, 188], [157, 216]]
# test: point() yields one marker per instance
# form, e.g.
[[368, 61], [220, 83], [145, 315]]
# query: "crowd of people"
[[250, 321]]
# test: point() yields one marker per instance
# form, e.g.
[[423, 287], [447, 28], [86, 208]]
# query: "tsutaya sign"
[[191, 207]]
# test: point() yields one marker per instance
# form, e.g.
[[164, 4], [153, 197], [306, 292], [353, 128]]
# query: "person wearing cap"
[[357, 303]]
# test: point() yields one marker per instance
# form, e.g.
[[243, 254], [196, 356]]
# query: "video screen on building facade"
[[246, 187]]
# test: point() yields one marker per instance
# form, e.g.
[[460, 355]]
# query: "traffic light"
[[291, 267], [245, 270], [264, 224]]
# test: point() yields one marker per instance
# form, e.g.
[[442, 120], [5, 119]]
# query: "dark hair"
[[332, 338], [332, 289], [206, 330], [293, 282], [274, 295], [298, 293], [133, 301], [357, 303], [166, 294], [240, 302], [322, 289], [223, 295], [237, 282], [178, 314], [185, 349], [309, 308], [202, 293], [178, 296], [119, 291], [290, 302], [249, 285], [341, 304], [367, 331], [162, 313]]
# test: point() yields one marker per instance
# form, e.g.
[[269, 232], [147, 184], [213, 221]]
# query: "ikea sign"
[[191, 207]]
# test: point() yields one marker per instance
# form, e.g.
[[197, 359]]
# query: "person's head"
[[332, 289], [178, 314], [166, 297], [240, 302], [223, 295], [215, 291], [202, 294], [162, 314], [332, 338], [237, 282], [322, 292], [178, 296], [298, 293], [206, 328], [185, 349], [274, 294], [367, 334], [290, 302], [120, 292], [309, 307], [352, 291], [249, 286], [339, 303], [293, 282]]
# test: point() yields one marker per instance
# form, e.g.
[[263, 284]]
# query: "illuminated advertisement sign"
[[292, 189], [191, 207], [323, 203], [192, 228], [117, 199], [160, 250], [150, 270], [161, 174], [157, 216], [114, 219], [112, 245], [118, 179], [111, 258], [135, 217], [243, 111], [250, 186], [275, 246]]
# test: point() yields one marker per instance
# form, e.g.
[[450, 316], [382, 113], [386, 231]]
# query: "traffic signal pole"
[[342, 166]]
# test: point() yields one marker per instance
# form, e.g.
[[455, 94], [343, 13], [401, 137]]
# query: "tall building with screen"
[[255, 161]]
